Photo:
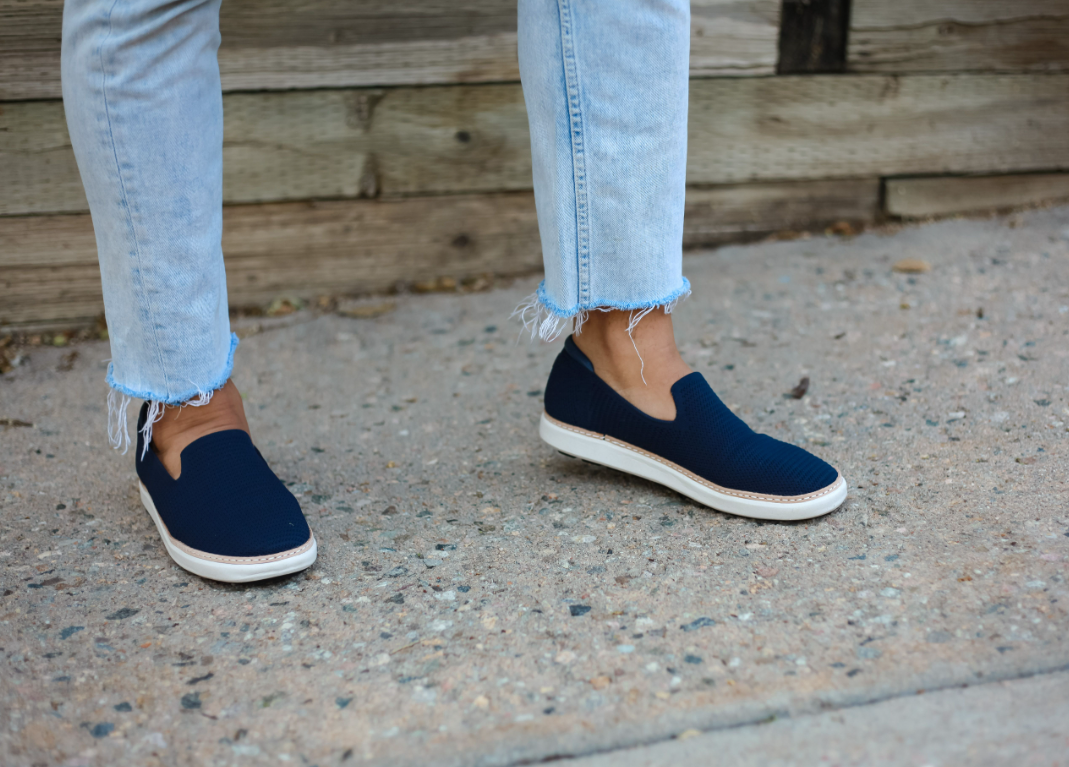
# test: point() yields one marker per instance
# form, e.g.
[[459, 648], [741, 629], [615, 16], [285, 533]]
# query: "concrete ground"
[[482, 600], [1018, 722]]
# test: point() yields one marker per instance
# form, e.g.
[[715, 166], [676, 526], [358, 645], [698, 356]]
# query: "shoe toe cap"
[[785, 470], [258, 525], [228, 502]]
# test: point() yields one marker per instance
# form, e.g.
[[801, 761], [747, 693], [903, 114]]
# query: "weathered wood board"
[[729, 38], [466, 139], [48, 270], [856, 126], [38, 173], [306, 145], [946, 195], [48, 263], [716, 215], [959, 36], [282, 45]]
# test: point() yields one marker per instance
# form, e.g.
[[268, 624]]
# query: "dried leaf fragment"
[[14, 422], [842, 229], [284, 305], [799, 391], [911, 266]]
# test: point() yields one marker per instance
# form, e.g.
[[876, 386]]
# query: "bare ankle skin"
[[605, 341], [182, 425]]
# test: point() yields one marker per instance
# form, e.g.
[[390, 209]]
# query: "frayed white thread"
[[579, 320], [584, 314], [542, 323], [200, 400], [675, 302], [637, 315], [632, 321], [118, 428], [156, 411]]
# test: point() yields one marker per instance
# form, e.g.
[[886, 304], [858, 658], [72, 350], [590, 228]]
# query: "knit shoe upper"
[[226, 501], [705, 437]]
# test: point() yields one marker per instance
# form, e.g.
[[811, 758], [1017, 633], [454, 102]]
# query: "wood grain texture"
[[959, 35], [30, 32], [857, 126], [733, 37], [282, 45], [48, 270], [37, 166], [738, 212], [306, 145], [406, 141], [940, 196]]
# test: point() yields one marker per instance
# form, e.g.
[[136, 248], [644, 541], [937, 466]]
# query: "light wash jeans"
[[605, 83]]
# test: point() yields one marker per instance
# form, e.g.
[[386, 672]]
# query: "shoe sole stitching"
[[288, 554], [784, 499]]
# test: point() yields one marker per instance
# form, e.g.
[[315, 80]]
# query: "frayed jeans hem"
[[120, 396], [547, 320]]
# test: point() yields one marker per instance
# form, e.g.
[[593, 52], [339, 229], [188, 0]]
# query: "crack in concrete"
[[824, 707]]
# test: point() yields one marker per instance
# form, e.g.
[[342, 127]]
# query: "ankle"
[[649, 349], [181, 425], [641, 365]]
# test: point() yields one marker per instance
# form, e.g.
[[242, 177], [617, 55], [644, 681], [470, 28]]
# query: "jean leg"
[[606, 86], [144, 109]]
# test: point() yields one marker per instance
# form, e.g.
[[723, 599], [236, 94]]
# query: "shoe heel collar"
[[574, 352]]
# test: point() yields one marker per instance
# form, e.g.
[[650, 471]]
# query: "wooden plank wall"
[[300, 145], [289, 44], [50, 275], [928, 196], [346, 120], [906, 36]]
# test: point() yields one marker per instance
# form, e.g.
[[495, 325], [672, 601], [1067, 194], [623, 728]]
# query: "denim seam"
[[594, 304], [126, 204], [184, 397], [576, 133]]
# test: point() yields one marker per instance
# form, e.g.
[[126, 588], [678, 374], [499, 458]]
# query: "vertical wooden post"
[[812, 36]]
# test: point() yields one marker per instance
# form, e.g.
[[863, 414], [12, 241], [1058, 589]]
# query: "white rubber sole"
[[230, 569], [611, 452]]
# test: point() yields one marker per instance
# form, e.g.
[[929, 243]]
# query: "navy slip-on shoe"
[[707, 453], [227, 517]]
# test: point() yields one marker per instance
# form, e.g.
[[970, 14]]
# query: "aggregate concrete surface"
[[1015, 722], [480, 599]]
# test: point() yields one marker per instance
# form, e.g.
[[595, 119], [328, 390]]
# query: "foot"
[[220, 510], [704, 452], [640, 367], [181, 426]]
